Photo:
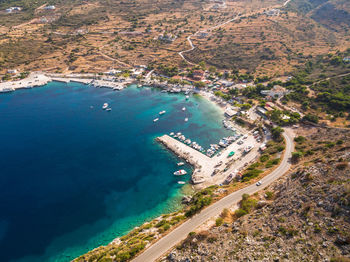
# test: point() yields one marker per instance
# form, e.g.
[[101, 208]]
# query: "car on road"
[[259, 183]]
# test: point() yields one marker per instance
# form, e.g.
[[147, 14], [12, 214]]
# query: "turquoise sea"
[[74, 176]]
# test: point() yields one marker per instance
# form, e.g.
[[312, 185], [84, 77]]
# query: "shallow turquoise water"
[[75, 176]]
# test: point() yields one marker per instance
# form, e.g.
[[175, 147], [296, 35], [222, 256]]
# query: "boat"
[[172, 134], [184, 108], [155, 120], [186, 119], [7, 89], [109, 109], [180, 172], [105, 106], [187, 97], [180, 163], [162, 112], [139, 86], [181, 182]]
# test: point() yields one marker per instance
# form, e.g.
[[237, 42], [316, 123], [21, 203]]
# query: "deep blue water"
[[73, 176]]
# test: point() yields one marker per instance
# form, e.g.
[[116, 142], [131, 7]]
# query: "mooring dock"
[[202, 163]]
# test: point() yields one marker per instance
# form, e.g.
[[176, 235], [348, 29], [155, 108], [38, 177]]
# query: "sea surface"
[[74, 176]]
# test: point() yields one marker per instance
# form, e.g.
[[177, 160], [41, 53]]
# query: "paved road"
[[176, 236]]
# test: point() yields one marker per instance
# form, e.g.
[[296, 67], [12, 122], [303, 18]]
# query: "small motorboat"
[[105, 106], [186, 119], [187, 97], [184, 109], [180, 172], [162, 112], [172, 134], [180, 163], [109, 109], [181, 182], [155, 120]]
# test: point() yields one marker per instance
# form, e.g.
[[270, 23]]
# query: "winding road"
[[159, 248]]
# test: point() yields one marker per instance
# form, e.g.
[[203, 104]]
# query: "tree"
[[296, 156], [311, 118], [276, 132]]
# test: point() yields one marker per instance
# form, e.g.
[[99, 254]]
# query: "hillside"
[[93, 36], [275, 43], [302, 217]]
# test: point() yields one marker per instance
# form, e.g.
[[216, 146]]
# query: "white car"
[[259, 183]]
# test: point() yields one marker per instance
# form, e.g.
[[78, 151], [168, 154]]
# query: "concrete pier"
[[199, 161], [204, 174]]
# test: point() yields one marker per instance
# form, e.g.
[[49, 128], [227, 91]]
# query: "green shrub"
[[219, 221], [272, 162], [264, 158], [250, 174], [269, 195], [296, 156], [240, 212], [299, 139]]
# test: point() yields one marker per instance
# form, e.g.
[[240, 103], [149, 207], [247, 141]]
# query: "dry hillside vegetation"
[[119, 33], [303, 217]]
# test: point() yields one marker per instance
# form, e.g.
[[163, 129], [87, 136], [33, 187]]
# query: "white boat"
[[187, 97], [162, 112], [105, 106], [184, 108], [7, 89], [181, 182], [109, 109], [186, 119], [180, 172], [172, 134], [155, 120], [180, 163]]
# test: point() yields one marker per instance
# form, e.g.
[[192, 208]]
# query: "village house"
[[346, 59], [229, 112], [261, 111], [50, 7], [198, 75], [275, 92], [202, 34], [12, 71], [13, 9], [169, 38], [272, 12]]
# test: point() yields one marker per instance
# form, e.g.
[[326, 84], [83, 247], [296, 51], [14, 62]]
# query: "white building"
[[230, 112], [277, 91], [12, 9], [12, 71], [50, 7], [273, 12]]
